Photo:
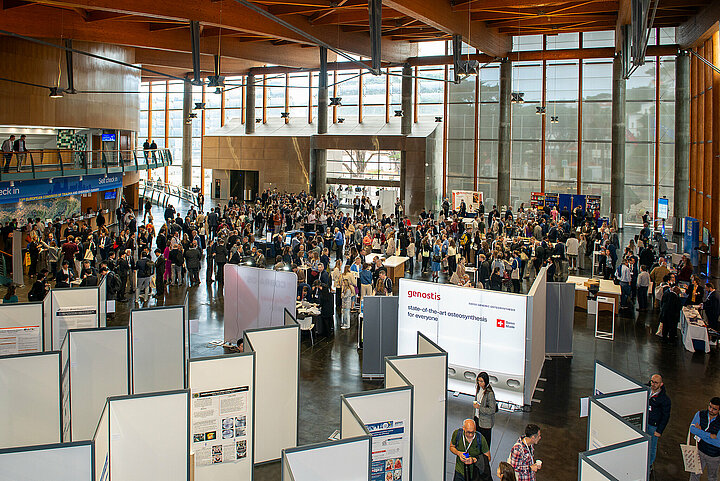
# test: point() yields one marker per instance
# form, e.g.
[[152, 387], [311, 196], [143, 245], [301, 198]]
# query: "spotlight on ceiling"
[[540, 110], [56, 93], [554, 119], [218, 91], [398, 113], [517, 97], [215, 81], [335, 101], [341, 120], [199, 105], [257, 121], [438, 119], [284, 115], [467, 68], [192, 115]]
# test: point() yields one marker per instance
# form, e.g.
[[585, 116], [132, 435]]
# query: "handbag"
[[691, 456], [436, 258]]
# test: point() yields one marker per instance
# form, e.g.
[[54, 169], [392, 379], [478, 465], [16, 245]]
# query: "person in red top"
[[522, 454], [69, 248]]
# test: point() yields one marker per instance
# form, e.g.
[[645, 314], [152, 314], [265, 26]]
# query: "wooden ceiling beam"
[[700, 27], [549, 21], [439, 15], [159, 58], [522, 14], [8, 4], [624, 17], [493, 4]]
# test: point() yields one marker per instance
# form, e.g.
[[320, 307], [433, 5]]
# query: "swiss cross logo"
[[500, 323]]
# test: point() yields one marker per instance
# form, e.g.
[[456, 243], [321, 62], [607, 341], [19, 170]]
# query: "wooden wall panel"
[[708, 127], [715, 192], [38, 64], [700, 160], [693, 136]]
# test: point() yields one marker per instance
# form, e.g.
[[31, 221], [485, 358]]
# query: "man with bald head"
[[658, 413], [471, 450]]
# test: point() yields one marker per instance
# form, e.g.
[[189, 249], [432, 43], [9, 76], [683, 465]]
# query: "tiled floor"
[[333, 366]]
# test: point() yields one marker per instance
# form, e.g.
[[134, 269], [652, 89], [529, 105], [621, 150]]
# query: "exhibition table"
[[607, 289], [370, 257], [472, 271], [692, 327], [395, 266], [676, 258]]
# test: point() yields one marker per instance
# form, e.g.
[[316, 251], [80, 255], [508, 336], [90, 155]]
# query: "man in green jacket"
[[470, 448]]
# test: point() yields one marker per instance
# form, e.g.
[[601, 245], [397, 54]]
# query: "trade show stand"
[[606, 288], [694, 331]]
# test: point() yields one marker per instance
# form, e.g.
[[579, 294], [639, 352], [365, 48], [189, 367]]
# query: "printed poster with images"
[[219, 425], [67, 318], [387, 449]]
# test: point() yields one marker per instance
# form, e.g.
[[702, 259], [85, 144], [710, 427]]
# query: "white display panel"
[[99, 368], [480, 330], [426, 346], [387, 415], [186, 311], [289, 319], [102, 446], [428, 376], [21, 328], [608, 380], [212, 378], [347, 460], [606, 428], [628, 461], [629, 405], [157, 348], [149, 437], [102, 302], [47, 322], [30, 399], [256, 298], [57, 462], [277, 352], [75, 308], [590, 472], [535, 343], [351, 426]]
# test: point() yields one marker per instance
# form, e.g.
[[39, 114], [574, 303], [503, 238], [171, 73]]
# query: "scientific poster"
[[20, 340], [67, 318], [219, 425], [388, 438]]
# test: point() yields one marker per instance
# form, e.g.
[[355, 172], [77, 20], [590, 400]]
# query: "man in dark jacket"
[[658, 413], [145, 270], [706, 425], [220, 256], [123, 271], [159, 274], [711, 306], [39, 288], [192, 263]]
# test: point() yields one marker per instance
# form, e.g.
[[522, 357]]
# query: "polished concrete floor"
[[333, 366]]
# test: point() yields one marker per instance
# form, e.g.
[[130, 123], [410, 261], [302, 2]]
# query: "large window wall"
[[566, 150]]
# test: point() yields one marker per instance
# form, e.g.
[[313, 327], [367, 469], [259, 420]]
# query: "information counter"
[[607, 289], [395, 267], [694, 332]]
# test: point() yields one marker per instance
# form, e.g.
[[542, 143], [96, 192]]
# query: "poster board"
[[379, 333], [480, 330], [56, 462], [73, 308], [102, 302], [472, 199], [609, 380], [150, 436], [157, 349], [387, 415], [47, 322], [30, 399], [214, 379], [21, 328], [606, 428], [256, 298], [97, 367], [624, 461], [347, 460], [630, 405], [277, 383], [427, 373], [102, 446], [186, 311], [290, 319], [535, 341]]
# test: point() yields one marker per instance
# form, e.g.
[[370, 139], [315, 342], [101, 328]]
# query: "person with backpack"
[[145, 270], [112, 284], [485, 406], [472, 453], [522, 454]]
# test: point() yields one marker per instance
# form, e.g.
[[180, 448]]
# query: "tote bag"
[[691, 456]]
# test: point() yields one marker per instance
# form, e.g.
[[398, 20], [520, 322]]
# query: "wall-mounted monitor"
[[108, 137], [111, 195]]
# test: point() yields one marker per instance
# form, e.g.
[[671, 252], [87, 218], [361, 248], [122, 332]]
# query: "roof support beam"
[[158, 58], [440, 15], [700, 27], [624, 17]]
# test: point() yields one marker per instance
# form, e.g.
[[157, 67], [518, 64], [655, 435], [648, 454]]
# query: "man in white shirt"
[[643, 283], [7, 150]]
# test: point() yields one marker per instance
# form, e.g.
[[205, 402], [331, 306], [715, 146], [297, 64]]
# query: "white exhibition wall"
[[535, 343], [215, 381], [21, 327], [150, 436], [30, 399], [47, 322], [630, 405], [346, 460], [186, 312], [277, 352], [606, 428], [102, 446], [289, 318], [56, 462], [608, 380], [623, 462], [351, 426], [428, 375], [481, 330], [99, 367], [102, 302], [157, 349], [387, 415], [590, 472], [75, 308], [256, 298]]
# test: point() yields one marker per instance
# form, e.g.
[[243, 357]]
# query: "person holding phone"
[[472, 452]]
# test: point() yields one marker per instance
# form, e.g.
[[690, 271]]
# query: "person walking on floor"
[[658, 414], [472, 453], [145, 271], [347, 297], [522, 454], [643, 283], [705, 426], [7, 150], [485, 406]]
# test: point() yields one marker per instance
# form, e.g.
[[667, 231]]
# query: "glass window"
[[562, 81], [429, 49], [563, 41], [597, 81], [598, 39], [527, 42], [525, 160]]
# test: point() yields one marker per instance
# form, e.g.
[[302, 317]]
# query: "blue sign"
[[663, 208], [691, 240], [108, 137], [39, 189]]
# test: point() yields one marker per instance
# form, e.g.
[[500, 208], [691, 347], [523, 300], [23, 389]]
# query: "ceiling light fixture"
[[517, 97], [284, 115], [341, 120], [438, 119], [335, 101], [56, 93], [257, 121], [554, 119], [540, 110], [199, 105], [398, 113], [218, 91]]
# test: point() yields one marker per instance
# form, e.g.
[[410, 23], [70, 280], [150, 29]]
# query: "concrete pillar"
[[250, 104], [617, 152], [406, 123], [187, 135], [505, 133], [682, 141], [322, 127]]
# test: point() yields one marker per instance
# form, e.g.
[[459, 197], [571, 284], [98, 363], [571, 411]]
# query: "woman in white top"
[[571, 248], [485, 406]]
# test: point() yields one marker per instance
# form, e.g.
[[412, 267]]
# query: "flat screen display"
[[111, 195], [662, 210], [108, 137], [706, 236]]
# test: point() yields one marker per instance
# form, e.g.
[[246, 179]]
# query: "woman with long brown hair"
[[485, 406]]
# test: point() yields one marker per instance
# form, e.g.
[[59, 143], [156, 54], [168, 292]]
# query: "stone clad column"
[[250, 104], [682, 141], [617, 153], [187, 134], [322, 127], [505, 133], [406, 123]]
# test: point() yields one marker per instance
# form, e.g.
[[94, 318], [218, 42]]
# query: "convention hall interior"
[[359, 240]]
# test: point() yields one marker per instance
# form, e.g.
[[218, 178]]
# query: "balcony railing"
[[46, 163], [162, 194]]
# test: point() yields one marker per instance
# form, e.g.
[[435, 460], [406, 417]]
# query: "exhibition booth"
[[498, 332]]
